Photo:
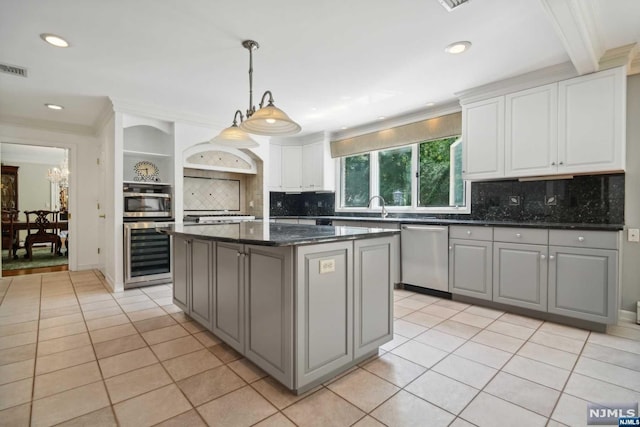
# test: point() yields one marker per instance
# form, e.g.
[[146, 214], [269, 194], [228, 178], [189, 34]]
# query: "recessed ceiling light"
[[430, 104], [381, 118], [458, 47], [344, 127], [54, 106], [54, 40]]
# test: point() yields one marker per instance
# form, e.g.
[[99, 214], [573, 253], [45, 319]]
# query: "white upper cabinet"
[[573, 126], [305, 166], [591, 122], [531, 129], [275, 170], [483, 139]]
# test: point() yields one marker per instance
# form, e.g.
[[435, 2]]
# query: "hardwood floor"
[[21, 272]]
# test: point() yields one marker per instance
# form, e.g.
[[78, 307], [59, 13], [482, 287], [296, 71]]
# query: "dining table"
[[60, 225]]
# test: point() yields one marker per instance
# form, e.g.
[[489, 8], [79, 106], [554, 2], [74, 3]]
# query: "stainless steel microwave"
[[146, 205]]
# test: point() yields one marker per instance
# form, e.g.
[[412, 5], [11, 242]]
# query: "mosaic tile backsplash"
[[589, 199]]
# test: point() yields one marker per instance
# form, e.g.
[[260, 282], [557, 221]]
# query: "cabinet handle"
[[553, 163], [238, 254], [552, 257], [580, 239], [561, 163], [542, 256], [468, 232], [450, 248], [518, 235]]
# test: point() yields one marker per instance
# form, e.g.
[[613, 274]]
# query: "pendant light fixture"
[[266, 120]]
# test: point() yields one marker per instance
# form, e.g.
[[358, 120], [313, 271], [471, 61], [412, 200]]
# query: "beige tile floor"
[[73, 354]]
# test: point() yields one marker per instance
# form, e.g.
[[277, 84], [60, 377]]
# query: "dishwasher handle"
[[422, 228]]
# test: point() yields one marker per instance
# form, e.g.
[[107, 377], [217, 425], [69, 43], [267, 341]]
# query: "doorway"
[[34, 178]]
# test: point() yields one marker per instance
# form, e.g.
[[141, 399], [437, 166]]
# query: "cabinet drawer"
[[584, 238], [532, 236], [470, 233]]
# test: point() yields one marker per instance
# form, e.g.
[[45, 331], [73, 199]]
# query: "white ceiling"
[[330, 63]]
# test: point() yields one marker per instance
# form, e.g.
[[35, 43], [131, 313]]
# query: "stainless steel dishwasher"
[[425, 256]]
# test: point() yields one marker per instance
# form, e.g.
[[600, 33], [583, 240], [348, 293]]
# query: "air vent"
[[452, 4], [13, 69]]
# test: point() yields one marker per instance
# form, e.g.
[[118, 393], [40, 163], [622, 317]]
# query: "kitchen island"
[[302, 302]]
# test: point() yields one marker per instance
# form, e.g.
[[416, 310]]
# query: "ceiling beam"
[[576, 27]]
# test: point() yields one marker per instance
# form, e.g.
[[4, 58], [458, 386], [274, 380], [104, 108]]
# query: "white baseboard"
[[627, 316]]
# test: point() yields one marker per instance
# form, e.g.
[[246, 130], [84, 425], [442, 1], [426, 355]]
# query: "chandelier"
[[60, 175], [266, 120]]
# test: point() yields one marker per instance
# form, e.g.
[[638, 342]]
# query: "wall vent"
[[452, 4], [13, 69]]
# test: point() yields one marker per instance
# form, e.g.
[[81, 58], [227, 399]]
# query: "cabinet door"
[[591, 122], [201, 281], [483, 139], [275, 167], [520, 275], [373, 266], [291, 168], [531, 131], [312, 166], [583, 283], [228, 297], [324, 303], [269, 315], [181, 269], [470, 268]]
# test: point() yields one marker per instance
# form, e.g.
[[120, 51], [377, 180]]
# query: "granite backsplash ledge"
[[587, 199]]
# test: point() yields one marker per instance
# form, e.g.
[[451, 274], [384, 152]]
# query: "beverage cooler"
[[147, 254]]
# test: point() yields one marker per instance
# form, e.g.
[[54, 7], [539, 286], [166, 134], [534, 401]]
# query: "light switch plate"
[[634, 235], [327, 266]]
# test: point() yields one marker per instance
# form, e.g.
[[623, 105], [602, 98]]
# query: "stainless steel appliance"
[[425, 256], [147, 201], [147, 254]]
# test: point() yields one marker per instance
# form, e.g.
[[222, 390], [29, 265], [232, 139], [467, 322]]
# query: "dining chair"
[[9, 234], [42, 229]]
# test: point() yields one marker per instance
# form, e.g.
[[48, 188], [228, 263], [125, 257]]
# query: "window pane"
[[440, 172], [355, 181], [395, 176]]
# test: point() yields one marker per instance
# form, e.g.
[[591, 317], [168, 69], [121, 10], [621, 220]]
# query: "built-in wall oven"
[[147, 254]]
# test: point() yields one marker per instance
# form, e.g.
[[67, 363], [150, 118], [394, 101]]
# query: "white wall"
[[83, 151], [34, 189]]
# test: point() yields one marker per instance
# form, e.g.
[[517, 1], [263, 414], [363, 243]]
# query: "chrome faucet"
[[384, 212]]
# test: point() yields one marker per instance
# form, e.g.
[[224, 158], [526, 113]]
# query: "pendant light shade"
[[233, 136], [270, 120]]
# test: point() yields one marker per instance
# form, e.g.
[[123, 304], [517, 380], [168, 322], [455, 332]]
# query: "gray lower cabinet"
[[324, 301], [470, 268], [192, 277], [520, 275], [228, 294], [268, 294], [374, 262], [201, 274], [181, 271], [583, 283]]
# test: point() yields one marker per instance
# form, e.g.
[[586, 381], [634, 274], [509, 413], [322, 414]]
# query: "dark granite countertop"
[[274, 234], [442, 221]]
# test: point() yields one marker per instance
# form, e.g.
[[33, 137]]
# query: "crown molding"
[[535, 78], [400, 120], [151, 111], [575, 25], [623, 56], [47, 125], [106, 113], [305, 139]]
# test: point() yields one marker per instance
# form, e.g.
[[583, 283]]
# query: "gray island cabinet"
[[303, 303]]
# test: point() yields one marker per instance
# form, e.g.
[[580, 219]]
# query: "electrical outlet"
[[514, 200], [251, 203], [634, 235], [551, 200], [278, 204], [319, 204], [327, 266]]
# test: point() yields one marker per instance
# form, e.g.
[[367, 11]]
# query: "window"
[[419, 177], [355, 181], [394, 176]]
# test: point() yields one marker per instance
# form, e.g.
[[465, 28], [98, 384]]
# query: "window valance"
[[425, 130]]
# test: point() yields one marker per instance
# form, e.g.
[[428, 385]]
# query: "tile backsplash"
[[214, 191], [300, 204]]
